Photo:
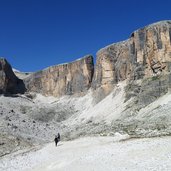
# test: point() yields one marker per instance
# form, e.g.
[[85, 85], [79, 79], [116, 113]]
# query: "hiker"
[[56, 140]]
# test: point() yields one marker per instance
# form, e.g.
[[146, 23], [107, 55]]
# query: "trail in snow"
[[96, 154]]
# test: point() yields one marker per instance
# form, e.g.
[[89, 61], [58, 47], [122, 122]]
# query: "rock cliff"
[[64, 79], [147, 53], [143, 62], [9, 83]]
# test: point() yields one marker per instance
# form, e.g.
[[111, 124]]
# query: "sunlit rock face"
[[147, 53], [113, 64], [152, 46], [64, 79], [9, 83]]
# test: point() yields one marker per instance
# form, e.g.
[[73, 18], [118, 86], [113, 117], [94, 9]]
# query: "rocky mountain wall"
[[146, 54], [9, 83], [64, 79]]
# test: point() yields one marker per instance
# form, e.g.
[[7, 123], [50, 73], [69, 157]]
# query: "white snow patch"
[[15, 70]]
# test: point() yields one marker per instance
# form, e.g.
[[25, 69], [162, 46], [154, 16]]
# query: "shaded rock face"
[[9, 83], [146, 53], [64, 79]]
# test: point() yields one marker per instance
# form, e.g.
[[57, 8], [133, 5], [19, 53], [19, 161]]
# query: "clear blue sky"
[[35, 34]]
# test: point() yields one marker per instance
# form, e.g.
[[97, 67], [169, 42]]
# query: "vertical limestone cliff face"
[[152, 48], [64, 79], [114, 63], [9, 83], [147, 53]]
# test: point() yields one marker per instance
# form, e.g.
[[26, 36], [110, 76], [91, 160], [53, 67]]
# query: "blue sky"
[[35, 34]]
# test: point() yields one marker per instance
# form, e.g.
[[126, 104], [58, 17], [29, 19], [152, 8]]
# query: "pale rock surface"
[[96, 154], [64, 79], [146, 53], [128, 93]]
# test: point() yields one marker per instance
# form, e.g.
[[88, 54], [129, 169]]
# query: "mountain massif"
[[127, 90], [147, 53]]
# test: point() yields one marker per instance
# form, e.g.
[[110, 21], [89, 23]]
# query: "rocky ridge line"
[[146, 54]]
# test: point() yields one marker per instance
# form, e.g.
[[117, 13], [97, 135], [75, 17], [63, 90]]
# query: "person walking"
[[56, 140]]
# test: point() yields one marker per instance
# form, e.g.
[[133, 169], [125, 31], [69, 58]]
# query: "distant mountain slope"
[[21, 75]]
